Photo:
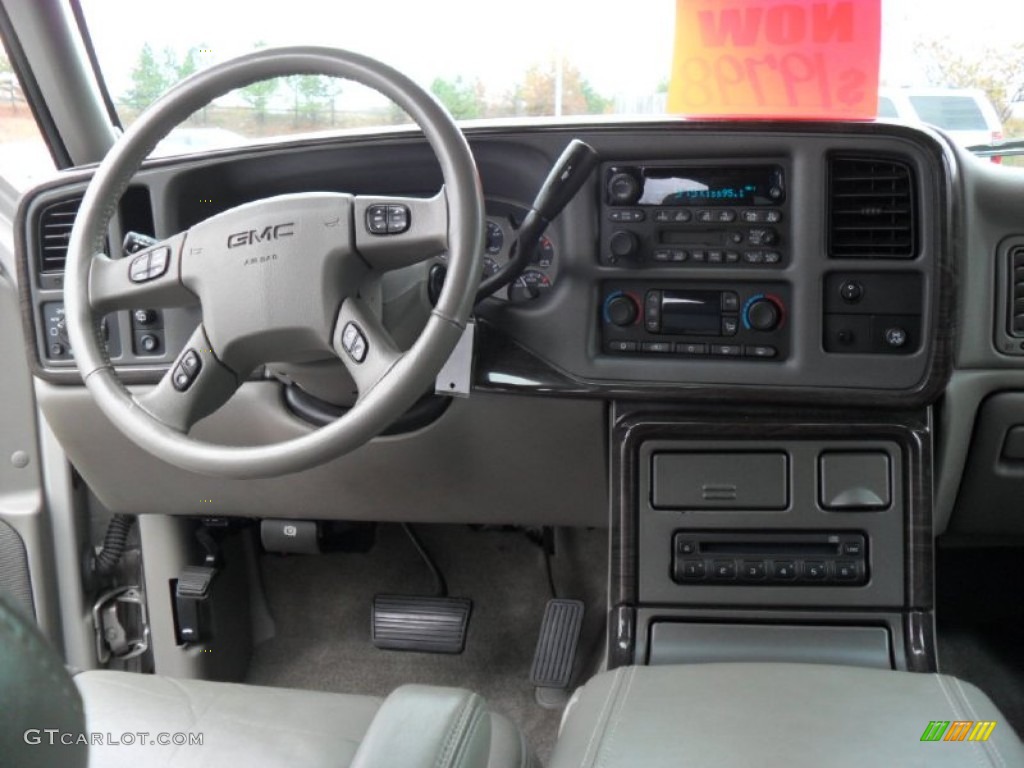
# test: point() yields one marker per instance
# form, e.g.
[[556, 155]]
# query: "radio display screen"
[[759, 185], [696, 312]]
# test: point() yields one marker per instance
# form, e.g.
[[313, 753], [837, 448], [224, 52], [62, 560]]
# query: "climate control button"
[[621, 310], [762, 313]]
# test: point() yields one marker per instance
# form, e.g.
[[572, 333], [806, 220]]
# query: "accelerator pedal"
[[556, 646], [424, 624]]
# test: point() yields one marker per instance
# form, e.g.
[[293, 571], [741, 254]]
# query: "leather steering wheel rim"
[[411, 374]]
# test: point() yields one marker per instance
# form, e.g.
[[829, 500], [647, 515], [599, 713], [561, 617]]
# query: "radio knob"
[[621, 310], [623, 244], [623, 189], [763, 315]]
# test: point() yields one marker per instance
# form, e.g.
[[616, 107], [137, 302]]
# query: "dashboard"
[[766, 262], [840, 267]]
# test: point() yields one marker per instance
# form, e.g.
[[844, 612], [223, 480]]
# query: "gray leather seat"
[[107, 719], [247, 725], [792, 715]]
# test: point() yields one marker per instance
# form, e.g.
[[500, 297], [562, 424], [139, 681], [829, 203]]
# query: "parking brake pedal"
[[425, 624], [556, 646]]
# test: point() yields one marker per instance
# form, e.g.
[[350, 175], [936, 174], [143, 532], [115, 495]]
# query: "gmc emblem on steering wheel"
[[253, 236]]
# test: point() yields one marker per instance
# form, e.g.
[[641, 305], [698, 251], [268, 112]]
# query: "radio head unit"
[[695, 185], [694, 215]]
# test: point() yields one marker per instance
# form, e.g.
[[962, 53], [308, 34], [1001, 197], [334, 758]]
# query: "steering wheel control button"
[[158, 261], [150, 265], [186, 370], [354, 343], [377, 219], [191, 363], [398, 219], [387, 219], [138, 270]]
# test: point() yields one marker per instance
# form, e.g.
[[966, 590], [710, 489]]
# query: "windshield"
[[534, 58]]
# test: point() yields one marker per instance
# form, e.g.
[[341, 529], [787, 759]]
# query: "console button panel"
[[769, 559], [692, 320]]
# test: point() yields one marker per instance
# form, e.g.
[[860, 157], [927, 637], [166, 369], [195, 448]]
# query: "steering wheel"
[[277, 279]]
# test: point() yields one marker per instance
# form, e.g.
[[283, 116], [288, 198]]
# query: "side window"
[[886, 108], [24, 157]]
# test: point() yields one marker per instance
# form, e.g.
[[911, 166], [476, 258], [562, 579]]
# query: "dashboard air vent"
[[55, 225], [871, 209], [1017, 291]]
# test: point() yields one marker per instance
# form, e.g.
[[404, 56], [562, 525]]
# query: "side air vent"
[[871, 209], [55, 223], [1016, 320]]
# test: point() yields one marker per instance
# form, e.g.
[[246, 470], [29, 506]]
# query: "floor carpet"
[[321, 606]]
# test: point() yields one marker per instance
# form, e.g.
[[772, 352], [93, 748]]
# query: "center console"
[[782, 536]]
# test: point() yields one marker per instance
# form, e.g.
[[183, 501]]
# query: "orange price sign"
[[776, 58]]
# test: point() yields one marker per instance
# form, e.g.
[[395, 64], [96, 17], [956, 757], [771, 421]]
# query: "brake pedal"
[[556, 646], [425, 624]]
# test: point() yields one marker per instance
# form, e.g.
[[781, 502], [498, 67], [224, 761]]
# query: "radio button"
[[698, 256], [772, 257], [621, 346], [773, 216], [846, 570], [730, 301], [715, 257], [762, 237], [678, 256], [686, 546], [736, 237], [663, 217], [783, 570], [690, 570], [726, 350], [754, 257], [726, 216], [754, 570], [627, 216], [760, 351], [682, 216], [688, 348], [854, 548], [752, 217], [623, 244], [705, 216], [723, 570], [730, 325], [658, 347], [815, 570], [662, 254], [731, 257]]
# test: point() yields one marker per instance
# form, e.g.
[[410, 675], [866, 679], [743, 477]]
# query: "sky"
[[621, 48]]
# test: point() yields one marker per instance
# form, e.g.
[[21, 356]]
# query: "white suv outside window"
[[965, 114]]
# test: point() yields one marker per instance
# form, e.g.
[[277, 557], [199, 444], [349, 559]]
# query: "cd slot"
[[768, 549]]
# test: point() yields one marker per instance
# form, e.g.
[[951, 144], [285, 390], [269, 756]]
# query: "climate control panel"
[[690, 319]]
